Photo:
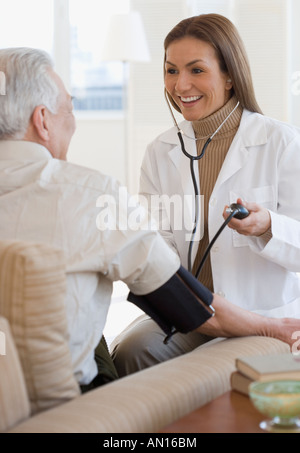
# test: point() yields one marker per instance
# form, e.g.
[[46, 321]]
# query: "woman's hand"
[[257, 223]]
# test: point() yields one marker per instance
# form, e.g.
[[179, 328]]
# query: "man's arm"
[[233, 321], [183, 304]]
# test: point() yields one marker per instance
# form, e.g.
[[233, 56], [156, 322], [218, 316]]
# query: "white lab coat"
[[262, 166]]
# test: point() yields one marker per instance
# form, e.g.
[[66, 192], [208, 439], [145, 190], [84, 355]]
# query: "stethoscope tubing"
[[209, 247], [196, 191], [197, 210]]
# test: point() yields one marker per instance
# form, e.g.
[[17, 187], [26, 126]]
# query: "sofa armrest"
[[14, 401], [147, 401]]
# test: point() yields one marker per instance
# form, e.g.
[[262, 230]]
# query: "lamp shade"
[[126, 39]]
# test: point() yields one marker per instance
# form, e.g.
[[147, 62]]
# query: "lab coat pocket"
[[264, 196]]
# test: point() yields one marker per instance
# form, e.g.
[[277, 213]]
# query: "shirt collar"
[[21, 149]]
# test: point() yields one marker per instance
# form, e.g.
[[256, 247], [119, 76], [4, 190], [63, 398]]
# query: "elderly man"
[[46, 199]]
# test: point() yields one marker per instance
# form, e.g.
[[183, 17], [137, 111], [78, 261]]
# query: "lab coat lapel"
[[247, 137], [236, 158]]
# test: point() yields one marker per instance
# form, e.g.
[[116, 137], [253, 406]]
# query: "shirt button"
[[215, 249], [213, 202], [221, 293]]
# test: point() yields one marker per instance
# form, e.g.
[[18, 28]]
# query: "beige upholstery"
[[14, 402], [151, 399], [32, 289]]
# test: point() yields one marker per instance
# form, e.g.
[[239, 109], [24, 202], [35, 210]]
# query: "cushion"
[[14, 402], [32, 293]]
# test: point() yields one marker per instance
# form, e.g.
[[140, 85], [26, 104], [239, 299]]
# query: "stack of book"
[[264, 368]]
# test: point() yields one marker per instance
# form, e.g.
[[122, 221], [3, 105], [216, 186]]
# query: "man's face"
[[62, 123]]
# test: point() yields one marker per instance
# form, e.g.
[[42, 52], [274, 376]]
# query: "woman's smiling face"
[[193, 78]]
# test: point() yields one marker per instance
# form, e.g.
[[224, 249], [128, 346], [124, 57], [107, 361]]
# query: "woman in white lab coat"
[[252, 160]]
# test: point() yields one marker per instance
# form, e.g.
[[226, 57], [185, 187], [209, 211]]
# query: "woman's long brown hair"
[[223, 36]]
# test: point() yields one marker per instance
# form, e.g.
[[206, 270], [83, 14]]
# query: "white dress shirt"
[[83, 213]]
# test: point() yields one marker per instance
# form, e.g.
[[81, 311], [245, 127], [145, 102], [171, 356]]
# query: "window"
[[19, 26], [95, 85], [80, 29]]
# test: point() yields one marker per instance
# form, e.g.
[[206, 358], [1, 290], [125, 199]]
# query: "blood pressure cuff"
[[175, 306]]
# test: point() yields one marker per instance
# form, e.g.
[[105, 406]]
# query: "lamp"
[[126, 42]]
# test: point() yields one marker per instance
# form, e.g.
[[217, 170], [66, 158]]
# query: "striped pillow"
[[32, 292]]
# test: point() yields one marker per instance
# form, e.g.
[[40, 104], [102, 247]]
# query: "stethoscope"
[[234, 210]]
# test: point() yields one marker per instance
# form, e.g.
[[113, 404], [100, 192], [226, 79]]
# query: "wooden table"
[[232, 412]]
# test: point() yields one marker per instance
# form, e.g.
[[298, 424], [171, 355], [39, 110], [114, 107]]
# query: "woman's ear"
[[40, 122], [228, 84]]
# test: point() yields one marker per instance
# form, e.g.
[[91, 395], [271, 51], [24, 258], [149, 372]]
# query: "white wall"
[[263, 26], [295, 63], [99, 143]]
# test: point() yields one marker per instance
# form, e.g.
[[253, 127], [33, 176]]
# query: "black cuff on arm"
[[175, 306]]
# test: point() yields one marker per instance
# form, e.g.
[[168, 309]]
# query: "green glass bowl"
[[278, 400]]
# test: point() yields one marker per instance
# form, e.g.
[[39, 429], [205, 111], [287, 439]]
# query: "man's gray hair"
[[28, 84]]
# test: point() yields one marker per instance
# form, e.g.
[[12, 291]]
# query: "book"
[[239, 382], [270, 367]]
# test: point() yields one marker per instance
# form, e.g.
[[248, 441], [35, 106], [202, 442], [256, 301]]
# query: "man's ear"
[[40, 121]]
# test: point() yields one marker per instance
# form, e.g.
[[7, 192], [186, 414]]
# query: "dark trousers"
[[106, 368]]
